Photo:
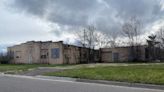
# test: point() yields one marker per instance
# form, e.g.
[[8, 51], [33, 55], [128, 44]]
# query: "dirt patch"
[[40, 71]]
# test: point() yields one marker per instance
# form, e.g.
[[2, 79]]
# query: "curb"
[[138, 85], [116, 83]]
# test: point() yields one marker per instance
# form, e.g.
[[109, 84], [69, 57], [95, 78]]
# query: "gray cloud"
[[106, 15], [148, 10], [66, 12]]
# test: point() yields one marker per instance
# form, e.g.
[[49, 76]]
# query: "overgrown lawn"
[[152, 74]]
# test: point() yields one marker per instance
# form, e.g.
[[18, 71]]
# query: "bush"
[[5, 59], [139, 61]]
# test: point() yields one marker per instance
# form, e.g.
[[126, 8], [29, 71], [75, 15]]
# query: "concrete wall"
[[71, 54], [31, 52], [143, 53], [123, 54], [75, 55], [43, 52], [56, 45], [107, 54], [20, 54]]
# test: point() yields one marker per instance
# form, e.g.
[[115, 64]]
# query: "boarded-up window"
[[55, 53]]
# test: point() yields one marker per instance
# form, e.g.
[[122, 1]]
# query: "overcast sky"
[[24, 20]]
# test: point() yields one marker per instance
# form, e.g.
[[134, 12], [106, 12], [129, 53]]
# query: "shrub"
[[5, 59]]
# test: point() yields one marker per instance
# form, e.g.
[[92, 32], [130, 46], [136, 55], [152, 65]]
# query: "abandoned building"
[[59, 53], [48, 52], [122, 54]]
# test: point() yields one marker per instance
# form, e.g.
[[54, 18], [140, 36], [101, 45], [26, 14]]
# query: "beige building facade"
[[121, 54], [58, 53], [48, 53], [37, 52]]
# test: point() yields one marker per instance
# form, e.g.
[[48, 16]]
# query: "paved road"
[[34, 84]]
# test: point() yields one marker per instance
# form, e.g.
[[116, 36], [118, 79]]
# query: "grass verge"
[[16, 68], [148, 74]]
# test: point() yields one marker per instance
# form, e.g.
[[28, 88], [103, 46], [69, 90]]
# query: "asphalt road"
[[10, 83]]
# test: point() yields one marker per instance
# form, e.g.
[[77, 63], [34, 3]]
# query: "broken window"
[[44, 53]]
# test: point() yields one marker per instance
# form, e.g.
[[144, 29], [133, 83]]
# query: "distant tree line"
[[5, 58]]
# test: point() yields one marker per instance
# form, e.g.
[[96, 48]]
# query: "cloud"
[[23, 20], [149, 10], [17, 28], [106, 15], [72, 12]]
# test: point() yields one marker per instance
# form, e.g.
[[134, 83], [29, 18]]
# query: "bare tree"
[[112, 39], [87, 39], [132, 31], [91, 39], [160, 39], [160, 36], [81, 38], [102, 40], [152, 47]]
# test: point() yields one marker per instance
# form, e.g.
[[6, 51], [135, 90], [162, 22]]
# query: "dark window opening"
[[17, 57], [43, 56]]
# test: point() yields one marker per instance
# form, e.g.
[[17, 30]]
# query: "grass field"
[[151, 74]]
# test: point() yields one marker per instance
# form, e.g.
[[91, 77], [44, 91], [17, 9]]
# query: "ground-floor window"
[[55, 53]]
